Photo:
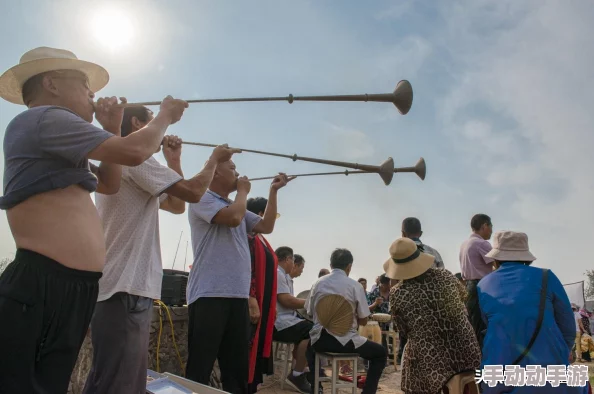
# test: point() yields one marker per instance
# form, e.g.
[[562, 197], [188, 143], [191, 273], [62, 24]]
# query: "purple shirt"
[[473, 263]]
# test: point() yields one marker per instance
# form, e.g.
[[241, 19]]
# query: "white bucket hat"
[[510, 246], [44, 59], [406, 261]]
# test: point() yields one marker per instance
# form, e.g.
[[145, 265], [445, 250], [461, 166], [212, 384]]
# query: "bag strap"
[[543, 299]]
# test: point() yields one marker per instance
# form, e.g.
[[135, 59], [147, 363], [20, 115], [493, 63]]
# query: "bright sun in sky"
[[112, 28]]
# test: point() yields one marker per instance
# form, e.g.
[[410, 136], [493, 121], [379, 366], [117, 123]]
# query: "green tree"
[[590, 284]]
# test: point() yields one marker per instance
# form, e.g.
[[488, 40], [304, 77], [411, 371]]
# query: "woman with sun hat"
[[427, 305]]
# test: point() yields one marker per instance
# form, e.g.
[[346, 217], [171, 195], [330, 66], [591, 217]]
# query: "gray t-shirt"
[[222, 264], [46, 148]]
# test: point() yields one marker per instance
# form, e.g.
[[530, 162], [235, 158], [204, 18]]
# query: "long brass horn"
[[418, 169], [401, 97], [385, 170]]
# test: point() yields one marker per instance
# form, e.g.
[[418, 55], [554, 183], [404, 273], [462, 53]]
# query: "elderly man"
[[298, 266], [411, 228], [289, 327], [475, 265], [338, 282], [133, 272], [49, 291], [219, 283]]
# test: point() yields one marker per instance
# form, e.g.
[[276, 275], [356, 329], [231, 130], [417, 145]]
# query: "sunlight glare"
[[112, 28]]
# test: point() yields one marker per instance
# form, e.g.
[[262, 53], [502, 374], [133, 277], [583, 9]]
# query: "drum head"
[[381, 317], [302, 312]]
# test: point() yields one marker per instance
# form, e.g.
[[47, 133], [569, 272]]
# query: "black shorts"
[[49, 308], [294, 334]]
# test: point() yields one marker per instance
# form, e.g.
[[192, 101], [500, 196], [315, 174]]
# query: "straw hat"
[[510, 246], [407, 260], [335, 314], [44, 59]]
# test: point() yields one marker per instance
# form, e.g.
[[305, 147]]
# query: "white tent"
[[576, 294]]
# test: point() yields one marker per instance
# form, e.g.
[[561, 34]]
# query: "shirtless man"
[[48, 293]]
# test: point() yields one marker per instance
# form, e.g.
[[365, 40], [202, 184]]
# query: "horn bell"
[[421, 169], [403, 96], [386, 171]]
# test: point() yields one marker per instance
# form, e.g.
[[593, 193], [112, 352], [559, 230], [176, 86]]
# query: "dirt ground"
[[389, 383]]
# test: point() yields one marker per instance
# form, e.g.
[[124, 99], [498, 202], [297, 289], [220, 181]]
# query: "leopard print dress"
[[430, 311]]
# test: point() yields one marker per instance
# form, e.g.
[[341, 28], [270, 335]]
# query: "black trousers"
[[373, 352], [46, 310], [474, 311], [219, 328]]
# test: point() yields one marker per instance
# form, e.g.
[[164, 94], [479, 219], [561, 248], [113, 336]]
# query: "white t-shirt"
[[337, 282], [131, 227], [285, 317]]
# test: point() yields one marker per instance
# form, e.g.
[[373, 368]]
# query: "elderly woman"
[[262, 301], [428, 308], [528, 315]]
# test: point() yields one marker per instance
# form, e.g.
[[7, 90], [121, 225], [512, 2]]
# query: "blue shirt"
[[222, 263], [509, 299]]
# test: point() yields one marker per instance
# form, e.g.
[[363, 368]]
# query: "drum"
[[371, 331], [302, 312], [381, 317]]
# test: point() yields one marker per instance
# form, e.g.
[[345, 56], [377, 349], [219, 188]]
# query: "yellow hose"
[[162, 305]]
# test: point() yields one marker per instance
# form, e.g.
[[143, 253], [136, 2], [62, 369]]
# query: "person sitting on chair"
[[288, 327], [322, 340]]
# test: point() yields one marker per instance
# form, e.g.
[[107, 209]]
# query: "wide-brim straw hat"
[[335, 314], [44, 59], [510, 246], [406, 260]]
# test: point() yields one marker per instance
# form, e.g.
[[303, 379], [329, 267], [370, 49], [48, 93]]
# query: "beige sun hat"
[[44, 59], [510, 246], [407, 260]]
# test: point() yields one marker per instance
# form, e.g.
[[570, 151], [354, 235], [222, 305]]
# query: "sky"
[[501, 112]]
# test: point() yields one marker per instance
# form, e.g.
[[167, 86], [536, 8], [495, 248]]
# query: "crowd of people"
[[81, 264]]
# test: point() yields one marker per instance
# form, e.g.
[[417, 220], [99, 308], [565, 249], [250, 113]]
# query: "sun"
[[112, 28]]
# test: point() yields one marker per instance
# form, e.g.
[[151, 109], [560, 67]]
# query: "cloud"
[[408, 56], [395, 11], [347, 144], [520, 107]]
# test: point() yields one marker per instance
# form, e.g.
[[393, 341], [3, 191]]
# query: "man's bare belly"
[[63, 225]]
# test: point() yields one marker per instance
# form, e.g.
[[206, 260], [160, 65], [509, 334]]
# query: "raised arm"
[[266, 225], [139, 146], [109, 175], [108, 179], [233, 214], [191, 190]]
